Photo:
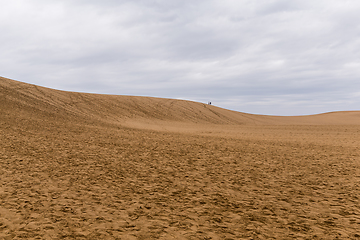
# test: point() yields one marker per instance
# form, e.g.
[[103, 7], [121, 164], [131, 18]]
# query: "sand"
[[87, 166]]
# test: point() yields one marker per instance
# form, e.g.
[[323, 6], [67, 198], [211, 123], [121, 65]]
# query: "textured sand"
[[86, 166]]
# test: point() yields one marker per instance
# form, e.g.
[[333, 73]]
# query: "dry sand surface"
[[87, 166]]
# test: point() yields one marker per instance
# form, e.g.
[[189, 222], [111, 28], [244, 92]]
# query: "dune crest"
[[37, 102]]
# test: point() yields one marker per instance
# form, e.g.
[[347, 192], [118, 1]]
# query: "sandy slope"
[[89, 166], [33, 101]]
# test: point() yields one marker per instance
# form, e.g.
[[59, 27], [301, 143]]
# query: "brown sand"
[[86, 166]]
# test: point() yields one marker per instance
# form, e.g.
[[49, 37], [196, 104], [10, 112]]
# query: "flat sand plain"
[[87, 166]]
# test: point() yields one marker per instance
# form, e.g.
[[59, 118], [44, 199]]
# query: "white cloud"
[[267, 55]]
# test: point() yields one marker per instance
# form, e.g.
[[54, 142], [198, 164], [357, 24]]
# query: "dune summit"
[[91, 166]]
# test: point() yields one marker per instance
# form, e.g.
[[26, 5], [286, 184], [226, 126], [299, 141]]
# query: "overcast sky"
[[278, 57]]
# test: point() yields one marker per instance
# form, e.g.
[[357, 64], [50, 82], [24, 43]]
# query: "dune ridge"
[[90, 166], [113, 108], [47, 102]]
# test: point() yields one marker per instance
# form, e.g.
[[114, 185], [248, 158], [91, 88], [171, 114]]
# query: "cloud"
[[243, 55]]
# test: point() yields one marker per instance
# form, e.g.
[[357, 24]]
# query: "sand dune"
[[90, 166], [44, 102]]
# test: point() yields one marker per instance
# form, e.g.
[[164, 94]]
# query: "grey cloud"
[[263, 55], [279, 6]]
